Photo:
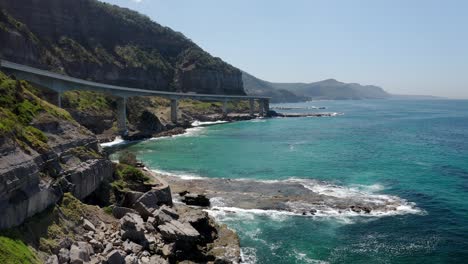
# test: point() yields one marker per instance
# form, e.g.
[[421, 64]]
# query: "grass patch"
[[19, 106], [88, 101], [14, 251]]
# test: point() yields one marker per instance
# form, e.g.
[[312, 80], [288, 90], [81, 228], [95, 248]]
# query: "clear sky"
[[404, 46]]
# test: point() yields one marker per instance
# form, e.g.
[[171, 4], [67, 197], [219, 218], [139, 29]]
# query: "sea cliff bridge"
[[62, 83]]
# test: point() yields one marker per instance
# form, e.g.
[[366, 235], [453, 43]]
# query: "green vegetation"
[[128, 177], [88, 101], [19, 106], [139, 58], [85, 153], [14, 251], [194, 106]]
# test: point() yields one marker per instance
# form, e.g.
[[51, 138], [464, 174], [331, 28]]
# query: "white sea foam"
[[248, 255], [117, 141], [197, 123], [303, 258], [181, 175]]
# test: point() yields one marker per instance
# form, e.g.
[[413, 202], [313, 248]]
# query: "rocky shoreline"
[[150, 230]]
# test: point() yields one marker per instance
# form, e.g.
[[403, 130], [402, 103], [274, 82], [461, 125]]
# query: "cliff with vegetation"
[[92, 40], [43, 153]]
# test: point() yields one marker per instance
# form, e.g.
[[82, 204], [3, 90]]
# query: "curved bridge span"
[[61, 83]]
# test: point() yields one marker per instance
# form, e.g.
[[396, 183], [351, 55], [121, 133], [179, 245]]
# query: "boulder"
[[80, 253], [161, 218], [119, 212], [196, 199], [131, 197], [169, 211], [87, 225], [63, 256], [52, 260], [131, 259], [143, 210], [131, 247], [155, 259], [149, 200], [168, 250], [115, 257], [133, 228], [177, 231]]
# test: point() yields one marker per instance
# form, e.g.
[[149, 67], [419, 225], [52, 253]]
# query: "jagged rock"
[[119, 212], [149, 200], [131, 247], [80, 253], [168, 249], [169, 211], [155, 259], [201, 221], [108, 248], [161, 218], [131, 198], [97, 246], [63, 256], [87, 225], [226, 247], [175, 230], [131, 259], [149, 227], [52, 260], [65, 243], [133, 228], [115, 257], [143, 210], [196, 199]]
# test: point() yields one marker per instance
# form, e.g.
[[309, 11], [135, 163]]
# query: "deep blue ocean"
[[414, 150]]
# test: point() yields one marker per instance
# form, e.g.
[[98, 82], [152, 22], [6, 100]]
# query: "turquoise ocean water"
[[416, 150]]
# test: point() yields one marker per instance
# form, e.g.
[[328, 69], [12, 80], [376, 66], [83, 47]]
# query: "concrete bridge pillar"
[[122, 115], [262, 107], [59, 99], [266, 105], [225, 107], [174, 103], [252, 107]]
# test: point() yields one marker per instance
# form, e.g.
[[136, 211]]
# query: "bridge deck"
[[71, 83]]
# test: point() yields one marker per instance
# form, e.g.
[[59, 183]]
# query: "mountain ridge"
[[330, 89]]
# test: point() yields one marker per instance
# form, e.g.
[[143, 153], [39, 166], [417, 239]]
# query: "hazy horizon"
[[415, 48]]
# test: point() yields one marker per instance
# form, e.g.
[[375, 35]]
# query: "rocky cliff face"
[[43, 153], [101, 42]]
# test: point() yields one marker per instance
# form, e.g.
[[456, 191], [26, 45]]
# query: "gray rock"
[[168, 249], [119, 212], [52, 260], [196, 199], [155, 259], [80, 253], [115, 257], [149, 200], [97, 246], [131, 197], [169, 211], [88, 225], [63, 256], [175, 230], [143, 210], [131, 259], [131, 247], [133, 228]]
